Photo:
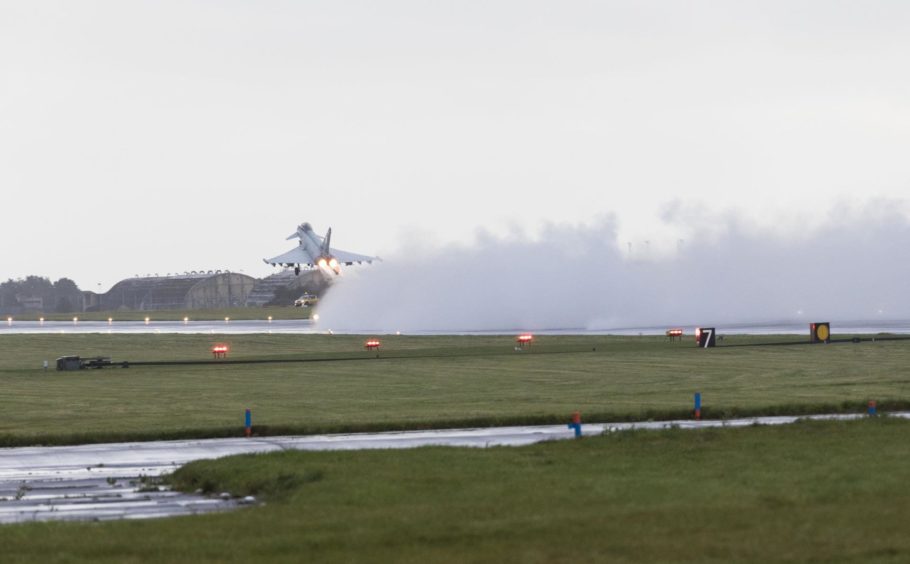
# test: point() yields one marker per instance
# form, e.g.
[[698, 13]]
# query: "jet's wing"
[[345, 257], [295, 256]]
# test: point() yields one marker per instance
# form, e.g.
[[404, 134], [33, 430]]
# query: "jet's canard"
[[314, 251]]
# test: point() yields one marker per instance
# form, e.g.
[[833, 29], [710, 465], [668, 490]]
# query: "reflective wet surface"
[[305, 326], [116, 481], [92, 482], [294, 326], [98, 499]]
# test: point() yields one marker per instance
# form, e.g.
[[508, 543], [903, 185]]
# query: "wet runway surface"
[[116, 481], [98, 499], [305, 326], [293, 326]]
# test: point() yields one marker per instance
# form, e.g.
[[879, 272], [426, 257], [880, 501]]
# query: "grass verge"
[[812, 491], [420, 382]]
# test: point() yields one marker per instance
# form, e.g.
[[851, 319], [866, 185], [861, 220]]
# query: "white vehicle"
[[306, 300]]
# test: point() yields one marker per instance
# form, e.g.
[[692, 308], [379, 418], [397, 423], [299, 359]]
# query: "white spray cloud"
[[853, 267]]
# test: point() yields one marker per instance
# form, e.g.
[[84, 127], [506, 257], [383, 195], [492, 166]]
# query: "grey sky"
[[159, 137]]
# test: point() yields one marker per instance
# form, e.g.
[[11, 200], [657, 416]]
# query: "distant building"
[[195, 290], [31, 303]]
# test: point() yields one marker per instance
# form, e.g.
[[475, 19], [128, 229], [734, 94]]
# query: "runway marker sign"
[[820, 332], [705, 337]]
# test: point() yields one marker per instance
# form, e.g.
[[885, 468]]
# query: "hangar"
[[193, 290], [205, 290]]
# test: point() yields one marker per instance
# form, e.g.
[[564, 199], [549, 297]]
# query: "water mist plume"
[[855, 267]]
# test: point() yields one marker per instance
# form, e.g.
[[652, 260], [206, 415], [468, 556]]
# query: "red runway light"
[[674, 334], [371, 345]]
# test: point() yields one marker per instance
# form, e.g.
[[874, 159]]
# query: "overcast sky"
[[144, 137]]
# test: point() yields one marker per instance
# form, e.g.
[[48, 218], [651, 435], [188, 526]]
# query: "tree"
[[64, 305], [66, 286], [62, 294]]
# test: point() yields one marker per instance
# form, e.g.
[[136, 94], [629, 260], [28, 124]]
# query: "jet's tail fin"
[[326, 243]]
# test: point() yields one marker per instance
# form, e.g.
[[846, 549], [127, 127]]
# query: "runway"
[[231, 327], [306, 326], [100, 482]]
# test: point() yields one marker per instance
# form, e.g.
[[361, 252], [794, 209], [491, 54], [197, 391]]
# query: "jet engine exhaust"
[[314, 251]]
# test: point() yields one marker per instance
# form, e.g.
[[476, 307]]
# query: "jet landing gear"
[[297, 270]]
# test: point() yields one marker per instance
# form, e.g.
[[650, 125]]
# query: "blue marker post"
[[248, 430], [872, 408], [576, 424], [697, 406]]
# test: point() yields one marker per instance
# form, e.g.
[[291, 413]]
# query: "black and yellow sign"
[[820, 332]]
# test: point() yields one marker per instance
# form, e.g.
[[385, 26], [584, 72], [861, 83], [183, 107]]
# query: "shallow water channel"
[[116, 481]]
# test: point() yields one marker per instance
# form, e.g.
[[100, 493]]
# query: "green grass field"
[[809, 492], [420, 382]]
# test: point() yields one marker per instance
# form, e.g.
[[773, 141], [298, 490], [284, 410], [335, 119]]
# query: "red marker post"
[[576, 424]]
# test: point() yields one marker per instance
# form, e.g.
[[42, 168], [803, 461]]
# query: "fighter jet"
[[316, 252]]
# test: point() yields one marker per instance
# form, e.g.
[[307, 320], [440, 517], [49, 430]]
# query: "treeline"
[[36, 293]]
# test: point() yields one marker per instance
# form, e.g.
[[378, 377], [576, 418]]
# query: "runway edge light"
[[820, 332], [675, 333], [524, 341]]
